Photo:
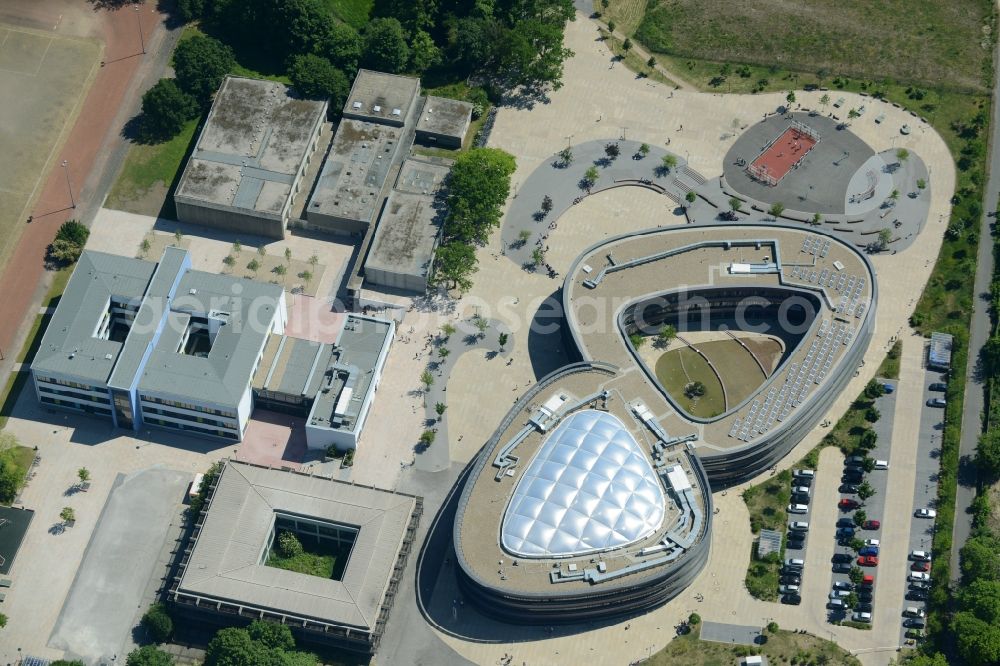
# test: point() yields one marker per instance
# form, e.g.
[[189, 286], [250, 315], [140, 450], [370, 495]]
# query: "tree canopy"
[[316, 78], [165, 109], [260, 643], [477, 190], [386, 47], [201, 62], [148, 655], [454, 263]]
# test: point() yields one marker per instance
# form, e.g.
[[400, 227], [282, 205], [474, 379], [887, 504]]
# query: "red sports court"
[[783, 153]]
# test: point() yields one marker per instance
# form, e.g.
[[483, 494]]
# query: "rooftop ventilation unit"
[[377, 109], [397, 112], [357, 105]]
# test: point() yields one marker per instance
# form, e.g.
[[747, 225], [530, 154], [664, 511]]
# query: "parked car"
[[795, 545], [868, 550], [936, 402], [848, 504], [920, 566], [869, 561], [871, 525], [791, 599], [881, 464], [795, 563], [849, 489], [836, 604], [920, 576], [915, 623], [798, 508], [868, 580], [917, 595], [920, 555], [841, 557], [791, 579], [925, 513], [862, 617], [845, 533], [802, 490], [803, 474], [914, 611], [842, 567], [888, 388], [867, 608], [852, 476], [843, 585], [872, 542], [865, 595], [839, 594], [845, 522], [922, 585], [799, 526], [940, 387], [855, 460], [799, 498], [789, 589]]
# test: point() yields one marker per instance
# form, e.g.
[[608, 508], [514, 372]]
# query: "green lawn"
[[317, 559], [782, 647], [353, 12], [932, 43], [677, 368], [149, 174], [21, 456]]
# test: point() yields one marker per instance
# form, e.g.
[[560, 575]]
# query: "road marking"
[[41, 60], [58, 21]]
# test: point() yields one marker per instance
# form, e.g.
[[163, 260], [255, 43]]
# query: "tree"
[[612, 150], [868, 439], [522, 236], [978, 641], [651, 63], [427, 379], [894, 195], [233, 647], [856, 574], [158, 623], [385, 46], [735, 204], [566, 155], [289, 545], [902, 154], [262, 251], [853, 114], [440, 408], [200, 63], [865, 491], [546, 203], [637, 340], [454, 263], [148, 655], [271, 634], [790, 97], [668, 162], [448, 330], [178, 236], [67, 514], [611, 26], [816, 220], [666, 334], [988, 454], [694, 389], [481, 325], [921, 184], [872, 414], [478, 189], [165, 110], [443, 352], [627, 45], [644, 149], [776, 209], [537, 256], [83, 474], [280, 271], [856, 544], [590, 177], [824, 100], [694, 618], [73, 232], [313, 260], [144, 247], [851, 600], [427, 437], [344, 47], [690, 197], [302, 26], [254, 266], [189, 10], [424, 53], [502, 340], [981, 558], [982, 598], [316, 78], [237, 246], [306, 276], [874, 389], [860, 517], [229, 260]]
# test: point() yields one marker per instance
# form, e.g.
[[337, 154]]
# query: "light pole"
[[138, 22], [69, 186]]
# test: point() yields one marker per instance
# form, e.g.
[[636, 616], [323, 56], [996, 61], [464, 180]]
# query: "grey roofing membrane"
[[68, 346], [226, 562], [378, 96], [293, 366], [355, 170], [256, 130], [441, 115]]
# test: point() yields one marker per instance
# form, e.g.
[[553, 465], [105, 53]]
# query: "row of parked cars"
[[848, 530], [791, 572]]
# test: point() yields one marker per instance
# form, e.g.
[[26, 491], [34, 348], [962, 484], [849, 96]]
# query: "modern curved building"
[[593, 496]]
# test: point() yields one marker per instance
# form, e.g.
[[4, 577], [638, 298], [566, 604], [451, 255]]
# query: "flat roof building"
[[227, 578], [382, 98], [443, 122], [250, 158], [157, 343], [402, 250]]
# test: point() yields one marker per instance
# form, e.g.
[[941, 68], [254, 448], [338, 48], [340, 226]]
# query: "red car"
[[871, 525], [868, 580], [868, 561], [848, 504], [920, 566]]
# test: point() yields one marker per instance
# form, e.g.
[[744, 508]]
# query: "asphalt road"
[[978, 334]]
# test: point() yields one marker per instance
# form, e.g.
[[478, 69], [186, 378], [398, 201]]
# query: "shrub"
[[158, 623], [148, 655], [289, 545], [694, 618]]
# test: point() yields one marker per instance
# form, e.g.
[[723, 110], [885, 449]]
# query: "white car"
[[804, 474], [789, 589], [798, 526], [843, 585], [925, 513], [881, 464], [804, 490], [798, 508], [872, 542], [920, 555], [839, 594], [862, 617], [920, 575]]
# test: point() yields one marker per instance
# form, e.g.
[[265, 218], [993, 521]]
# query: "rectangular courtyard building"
[[402, 250], [250, 158], [230, 574], [444, 122], [157, 344]]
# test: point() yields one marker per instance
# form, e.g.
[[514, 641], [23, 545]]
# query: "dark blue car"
[[868, 550]]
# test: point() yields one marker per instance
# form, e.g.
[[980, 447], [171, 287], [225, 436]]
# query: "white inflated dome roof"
[[588, 489]]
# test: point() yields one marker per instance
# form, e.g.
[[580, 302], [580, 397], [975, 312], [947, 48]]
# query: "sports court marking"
[[22, 52], [782, 154]]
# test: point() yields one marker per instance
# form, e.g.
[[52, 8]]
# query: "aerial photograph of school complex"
[[519, 332]]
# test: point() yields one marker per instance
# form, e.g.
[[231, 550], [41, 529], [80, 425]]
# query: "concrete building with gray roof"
[[402, 250], [382, 98], [226, 576], [157, 343], [250, 158], [443, 122]]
